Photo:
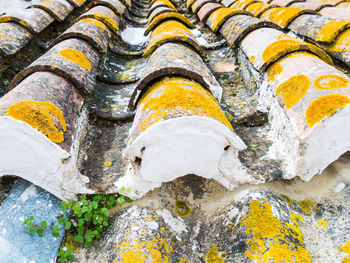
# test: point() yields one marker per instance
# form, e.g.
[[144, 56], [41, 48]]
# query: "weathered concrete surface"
[[241, 226]]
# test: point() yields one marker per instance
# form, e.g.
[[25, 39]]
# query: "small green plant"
[[89, 216]]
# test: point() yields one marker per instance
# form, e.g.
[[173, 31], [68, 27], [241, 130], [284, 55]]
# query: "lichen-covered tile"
[[117, 6], [178, 60], [40, 127], [273, 45], [206, 10], [59, 9], [103, 14], [73, 59], [170, 31], [92, 31], [12, 38], [33, 19]]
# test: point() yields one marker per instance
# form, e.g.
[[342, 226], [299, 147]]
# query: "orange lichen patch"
[[170, 31], [80, 1], [282, 16], [166, 3], [325, 106], [189, 3], [107, 20], [157, 250], [282, 47], [170, 15], [179, 98], [251, 59], [330, 82], [346, 249], [331, 30], [44, 116], [256, 8], [213, 256], [270, 239], [77, 57], [274, 70], [220, 16], [342, 42], [293, 89], [95, 22]]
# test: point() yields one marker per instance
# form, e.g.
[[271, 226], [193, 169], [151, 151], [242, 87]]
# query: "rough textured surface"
[[17, 246]]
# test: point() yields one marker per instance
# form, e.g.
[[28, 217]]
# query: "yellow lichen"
[[256, 8], [331, 30], [108, 164], [296, 218], [274, 70], [1, 35], [70, 243], [169, 31], [293, 89], [281, 16], [325, 106], [95, 22], [213, 256], [183, 260], [325, 82], [44, 116], [181, 208], [166, 3], [169, 15], [179, 97], [322, 223], [308, 207], [77, 57], [106, 19], [346, 249], [342, 42], [270, 238], [287, 199], [279, 48], [218, 17], [157, 249]]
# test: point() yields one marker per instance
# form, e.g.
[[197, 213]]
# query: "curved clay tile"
[[199, 3], [103, 14], [319, 28], [206, 10], [227, 3], [117, 6], [171, 31], [59, 9], [72, 59], [283, 16], [176, 59], [40, 119], [335, 12], [284, 2], [237, 27], [92, 31], [273, 45], [257, 9], [315, 98], [33, 19], [173, 111], [220, 16], [243, 4], [159, 3], [76, 3], [189, 3], [168, 16], [158, 11], [12, 38]]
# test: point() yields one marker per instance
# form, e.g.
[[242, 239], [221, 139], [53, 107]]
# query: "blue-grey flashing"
[[16, 246]]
